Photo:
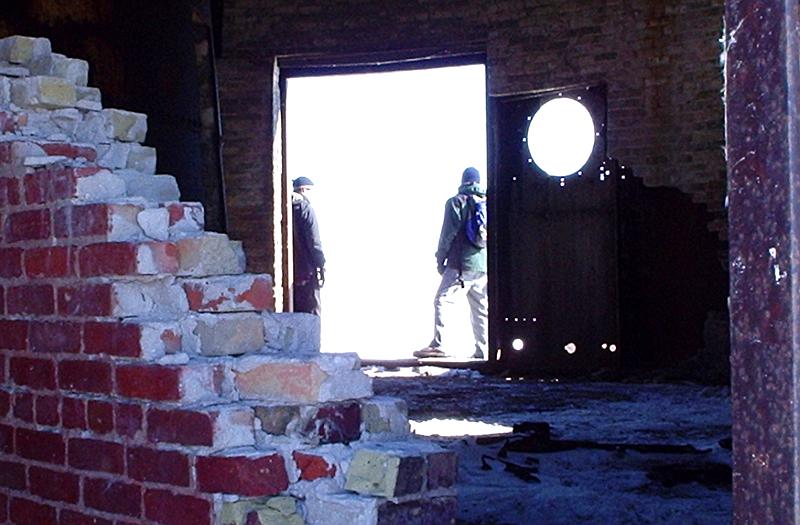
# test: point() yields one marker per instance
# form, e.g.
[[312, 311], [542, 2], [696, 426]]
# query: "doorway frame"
[[315, 66]]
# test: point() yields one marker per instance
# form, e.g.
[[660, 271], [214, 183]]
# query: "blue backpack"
[[475, 221]]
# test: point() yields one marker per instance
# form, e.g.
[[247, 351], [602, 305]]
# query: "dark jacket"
[[308, 255], [454, 250]]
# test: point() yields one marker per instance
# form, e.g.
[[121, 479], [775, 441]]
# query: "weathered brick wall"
[[144, 378], [660, 61]]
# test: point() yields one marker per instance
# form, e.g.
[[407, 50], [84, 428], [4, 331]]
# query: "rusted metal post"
[[763, 154]]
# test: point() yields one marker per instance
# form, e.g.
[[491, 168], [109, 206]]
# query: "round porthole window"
[[561, 137]]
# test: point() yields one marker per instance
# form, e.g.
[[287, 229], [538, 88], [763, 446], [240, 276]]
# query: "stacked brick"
[[144, 378]]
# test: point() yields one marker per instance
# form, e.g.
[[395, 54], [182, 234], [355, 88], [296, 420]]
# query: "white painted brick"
[[89, 99], [154, 222], [101, 186], [92, 129], [159, 299], [314, 378], [384, 418], [153, 188], [5, 90], [222, 334], [292, 331], [122, 223], [126, 126], [73, 70], [233, 427], [35, 53], [66, 120], [13, 70], [48, 160], [142, 159], [341, 509], [43, 92], [185, 218], [208, 254], [113, 155], [39, 124], [158, 339], [230, 293]]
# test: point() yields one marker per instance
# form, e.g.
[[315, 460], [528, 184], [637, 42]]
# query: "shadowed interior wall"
[[660, 63]]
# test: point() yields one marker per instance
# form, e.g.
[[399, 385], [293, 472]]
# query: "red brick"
[[312, 466], [86, 300], [5, 403], [112, 258], [12, 475], [167, 508], [158, 383], [23, 406], [13, 335], [117, 339], [47, 410], [26, 512], [180, 426], [69, 517], [100, 416], [55, 337], [340, 423], [30, 299], [10, 262], [47, 262], [129, 420], [121, 258], [70, 150], [27, 226], [81, 221], [242, 475], [85, 376], [146, 464], [9, 191], [43, 446], [54, 485], [73, 412], [115, 497], [93, 454], [45, 185], [35, 373], [6, 439]]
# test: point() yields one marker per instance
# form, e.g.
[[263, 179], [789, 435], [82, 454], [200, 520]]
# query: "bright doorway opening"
[[385, 151]]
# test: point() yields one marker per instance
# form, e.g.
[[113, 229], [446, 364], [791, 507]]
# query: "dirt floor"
[[550, 452]]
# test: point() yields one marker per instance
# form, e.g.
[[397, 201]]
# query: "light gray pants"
[[449, 290]]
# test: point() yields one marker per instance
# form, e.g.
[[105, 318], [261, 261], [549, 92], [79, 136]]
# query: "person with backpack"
[[309, 260], [461, 261]]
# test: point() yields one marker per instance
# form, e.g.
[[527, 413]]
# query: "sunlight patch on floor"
[[457, 427]]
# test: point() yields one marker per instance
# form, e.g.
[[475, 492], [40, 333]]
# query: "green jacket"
[[454, 250]]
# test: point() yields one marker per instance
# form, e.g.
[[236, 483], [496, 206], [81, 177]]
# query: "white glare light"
[[612, 348], [561, 137], [571, 348], [457, 427], [517, 344]]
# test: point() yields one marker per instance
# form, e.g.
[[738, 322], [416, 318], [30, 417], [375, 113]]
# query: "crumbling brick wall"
[[659, 60], [144, 378]]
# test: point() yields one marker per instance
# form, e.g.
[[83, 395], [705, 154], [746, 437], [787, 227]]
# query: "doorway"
[[385, 150]]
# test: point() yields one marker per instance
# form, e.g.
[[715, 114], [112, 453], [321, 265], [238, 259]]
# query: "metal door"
[[553, 248]]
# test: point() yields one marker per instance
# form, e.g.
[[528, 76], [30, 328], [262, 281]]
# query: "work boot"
[[477, 355], [430, 351]]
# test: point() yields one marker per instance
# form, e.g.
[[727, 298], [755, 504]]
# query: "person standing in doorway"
[[309, 260], [461, 261]]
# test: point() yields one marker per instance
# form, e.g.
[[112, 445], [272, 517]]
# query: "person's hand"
[[321, 277]]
